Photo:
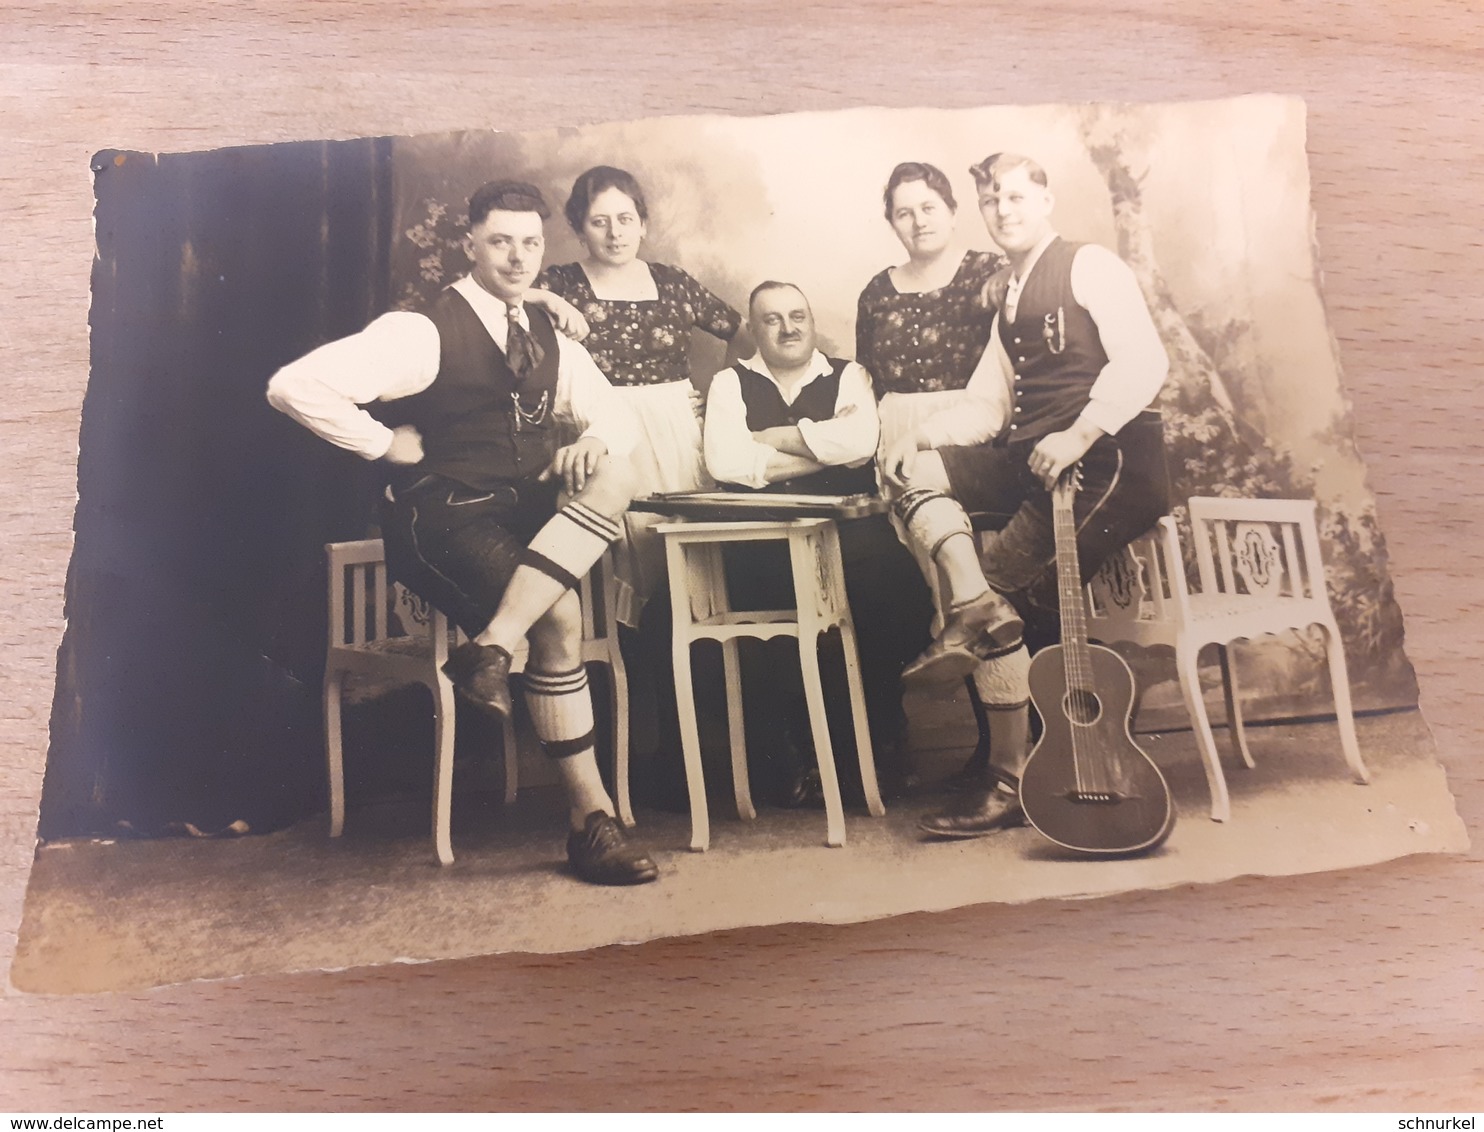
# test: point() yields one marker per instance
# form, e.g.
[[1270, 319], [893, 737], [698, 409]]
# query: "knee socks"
[[932, 518], [570, 542], [561, 708], [1001, 680]]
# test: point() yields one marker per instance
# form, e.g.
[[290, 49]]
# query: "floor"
[[106, 915]]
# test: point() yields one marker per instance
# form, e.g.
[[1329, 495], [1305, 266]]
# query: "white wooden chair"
[[703, 611], [1261, 573], [361, 641]]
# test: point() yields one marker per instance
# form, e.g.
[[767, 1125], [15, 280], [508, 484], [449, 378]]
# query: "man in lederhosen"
[[1073, 365], [471, 394]]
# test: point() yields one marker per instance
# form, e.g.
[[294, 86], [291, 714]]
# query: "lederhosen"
[[455, 523], [1056, 354]]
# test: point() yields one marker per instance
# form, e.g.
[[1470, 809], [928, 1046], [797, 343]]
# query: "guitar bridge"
[[1097, 797]]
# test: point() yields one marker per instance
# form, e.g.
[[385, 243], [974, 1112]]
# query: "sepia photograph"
[[536, 541]]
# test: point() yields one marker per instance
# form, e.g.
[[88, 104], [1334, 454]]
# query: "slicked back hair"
[[774, 285], [996, 165], [506, 196]]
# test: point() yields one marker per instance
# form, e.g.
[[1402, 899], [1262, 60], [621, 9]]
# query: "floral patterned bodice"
[[928, 340], [644, 341]]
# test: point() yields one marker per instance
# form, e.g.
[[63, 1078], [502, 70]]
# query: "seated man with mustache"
[[789, 419]]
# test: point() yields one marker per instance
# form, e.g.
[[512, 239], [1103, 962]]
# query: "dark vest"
[[1054, 349], [470, 429], [766, 408]]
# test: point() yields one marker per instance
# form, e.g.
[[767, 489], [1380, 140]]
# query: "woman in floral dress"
[[640, 318], [920, 330]]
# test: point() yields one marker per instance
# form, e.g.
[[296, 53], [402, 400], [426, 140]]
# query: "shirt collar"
[[819, 366], [1017, 280], [491, 310]]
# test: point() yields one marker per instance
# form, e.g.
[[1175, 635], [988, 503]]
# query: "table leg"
[[819, 724], [864, 750], [685, 697], [737, 729]]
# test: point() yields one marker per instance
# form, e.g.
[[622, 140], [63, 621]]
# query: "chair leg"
[[334, 750], [443, 735], [737, 730], [512, 760], [819, 724], [864, 750], [1234, 723], [1186, 664], [1339, 677], [618, 694]]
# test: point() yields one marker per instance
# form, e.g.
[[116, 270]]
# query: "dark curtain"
[[188, 678]]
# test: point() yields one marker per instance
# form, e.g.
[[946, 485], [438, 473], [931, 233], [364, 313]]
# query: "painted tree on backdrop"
[[1215, 415]]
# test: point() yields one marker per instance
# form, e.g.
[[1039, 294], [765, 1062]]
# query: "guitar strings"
[[1069, 582]]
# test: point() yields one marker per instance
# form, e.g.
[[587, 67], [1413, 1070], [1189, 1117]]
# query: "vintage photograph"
[[539, 541]]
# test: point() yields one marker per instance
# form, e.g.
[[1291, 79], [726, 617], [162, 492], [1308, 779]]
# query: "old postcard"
[[531, 542]]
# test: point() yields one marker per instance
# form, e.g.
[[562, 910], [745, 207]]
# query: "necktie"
[[521, 350]]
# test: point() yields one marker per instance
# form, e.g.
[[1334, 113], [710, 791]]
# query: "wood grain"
[[1359, 990]]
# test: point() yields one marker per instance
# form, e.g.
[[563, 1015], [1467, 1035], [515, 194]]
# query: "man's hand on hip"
[[576, 463], [406, 446]]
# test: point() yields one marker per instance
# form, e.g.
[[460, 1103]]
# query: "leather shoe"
[[986, 812], [481, 674], [971, 632], [600, 854], [804, 792]]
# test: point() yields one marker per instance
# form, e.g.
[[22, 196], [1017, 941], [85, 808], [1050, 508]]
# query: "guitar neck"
[[1069, 578]]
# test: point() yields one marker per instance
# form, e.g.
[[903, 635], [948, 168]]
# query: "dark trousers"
[[1125, 489], [457, 547]]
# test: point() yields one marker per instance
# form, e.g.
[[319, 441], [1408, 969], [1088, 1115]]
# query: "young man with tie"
[[470, 397]]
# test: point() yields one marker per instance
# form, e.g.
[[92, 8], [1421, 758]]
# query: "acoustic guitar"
[[1087, 786]]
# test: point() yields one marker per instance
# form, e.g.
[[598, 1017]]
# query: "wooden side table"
[[702, 611]]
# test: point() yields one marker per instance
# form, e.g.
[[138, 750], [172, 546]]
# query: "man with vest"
[[471, 396], [1073, 365], [789, 419]]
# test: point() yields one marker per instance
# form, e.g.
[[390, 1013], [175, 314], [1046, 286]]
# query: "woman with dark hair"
[[640, 317], [920, 330]]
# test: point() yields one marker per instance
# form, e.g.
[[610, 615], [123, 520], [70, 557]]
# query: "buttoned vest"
[[478, 424], [766, 408], [1054, 349]]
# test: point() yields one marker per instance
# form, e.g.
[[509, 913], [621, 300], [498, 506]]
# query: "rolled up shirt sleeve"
[[586, 398], [1137, 362], [982, 413], [849, 437], [732, 456], [395, 356]]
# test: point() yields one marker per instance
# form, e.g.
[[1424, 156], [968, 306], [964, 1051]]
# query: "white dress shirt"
[[846, 439], [397, 355], [1128, 384]]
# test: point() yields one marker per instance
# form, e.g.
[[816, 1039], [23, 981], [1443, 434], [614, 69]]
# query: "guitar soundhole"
[[1082, 705]]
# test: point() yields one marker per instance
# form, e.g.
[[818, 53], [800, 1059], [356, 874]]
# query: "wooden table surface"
[[1358, 990]]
